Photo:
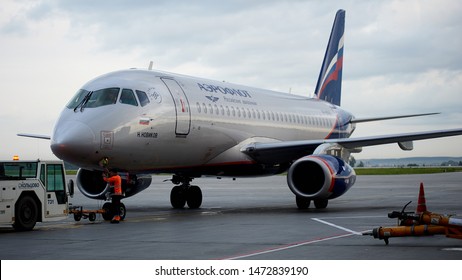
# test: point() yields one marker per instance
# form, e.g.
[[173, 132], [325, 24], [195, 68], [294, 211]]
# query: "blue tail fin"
[[329, 86]]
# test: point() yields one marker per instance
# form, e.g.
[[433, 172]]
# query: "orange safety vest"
[[115, 181]]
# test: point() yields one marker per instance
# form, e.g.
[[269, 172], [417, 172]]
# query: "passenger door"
[[182, 109]]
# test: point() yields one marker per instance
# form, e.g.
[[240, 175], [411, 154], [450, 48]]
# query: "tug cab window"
[[17, 170], [128, 97], [55, 182]]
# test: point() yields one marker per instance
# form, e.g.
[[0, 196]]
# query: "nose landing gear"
[[184, 193]]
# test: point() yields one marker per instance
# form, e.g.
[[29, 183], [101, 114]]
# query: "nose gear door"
[[183, 114]]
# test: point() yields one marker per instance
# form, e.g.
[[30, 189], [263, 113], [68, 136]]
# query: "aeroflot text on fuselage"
[[232, 91]]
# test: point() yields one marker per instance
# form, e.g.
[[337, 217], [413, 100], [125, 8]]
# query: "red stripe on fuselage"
[[333, 128], [235, 163]]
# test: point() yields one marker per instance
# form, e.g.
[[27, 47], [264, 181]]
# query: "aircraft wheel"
[[26, 214], [108, 212], [177, 197], [92, 216], [320, 203], [122, 211], [194, 197], [302, 203], [77, 216]]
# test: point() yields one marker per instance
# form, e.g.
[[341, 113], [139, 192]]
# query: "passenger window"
[[142, 97], [128, 97]]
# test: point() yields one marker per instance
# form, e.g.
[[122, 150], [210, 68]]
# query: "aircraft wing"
[[38, 136], [361, 120], [286, 151]]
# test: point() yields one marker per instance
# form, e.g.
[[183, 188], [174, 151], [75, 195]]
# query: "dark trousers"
[[116, 204]]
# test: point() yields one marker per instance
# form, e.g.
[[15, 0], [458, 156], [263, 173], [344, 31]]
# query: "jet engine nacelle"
[[320, 177], [92, 185]]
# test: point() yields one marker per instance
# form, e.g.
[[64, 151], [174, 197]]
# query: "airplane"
[[142, 122]]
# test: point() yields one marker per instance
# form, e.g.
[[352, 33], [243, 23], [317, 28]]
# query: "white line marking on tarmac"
[[295, 245], [336, 226], [355, 217], [452, 249], [289, 246]]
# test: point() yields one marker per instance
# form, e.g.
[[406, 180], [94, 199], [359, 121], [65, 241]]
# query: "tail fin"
[[329, 86]]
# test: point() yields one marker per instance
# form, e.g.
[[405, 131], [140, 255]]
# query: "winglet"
[[329, 86]]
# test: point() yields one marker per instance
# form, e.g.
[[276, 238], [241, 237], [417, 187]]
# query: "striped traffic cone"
[[421, 203]]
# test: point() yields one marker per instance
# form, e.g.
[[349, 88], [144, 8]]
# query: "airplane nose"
[[71, 140]]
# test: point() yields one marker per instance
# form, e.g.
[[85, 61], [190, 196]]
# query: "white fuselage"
[[188, 124]]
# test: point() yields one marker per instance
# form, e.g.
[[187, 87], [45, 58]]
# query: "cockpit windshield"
[[98, 98], [77, 99]]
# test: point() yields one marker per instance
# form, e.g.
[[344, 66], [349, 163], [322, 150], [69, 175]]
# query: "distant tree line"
[[452, 163], [354, 163]]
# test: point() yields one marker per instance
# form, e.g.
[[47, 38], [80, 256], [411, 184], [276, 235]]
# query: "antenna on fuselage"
[[151, 63]]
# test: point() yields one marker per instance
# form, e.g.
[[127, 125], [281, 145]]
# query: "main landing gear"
[[110, 211], [184, 193]]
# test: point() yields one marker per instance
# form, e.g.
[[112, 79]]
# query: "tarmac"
[[248, 219]]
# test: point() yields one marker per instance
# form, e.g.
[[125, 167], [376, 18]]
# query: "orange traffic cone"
[[421, 203]]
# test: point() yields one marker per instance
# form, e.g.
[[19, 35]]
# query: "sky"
[[400, 57]]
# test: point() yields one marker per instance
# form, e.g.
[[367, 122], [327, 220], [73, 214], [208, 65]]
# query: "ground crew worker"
[[115, 182]]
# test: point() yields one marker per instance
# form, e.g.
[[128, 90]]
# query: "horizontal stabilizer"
[[360, 120], [37, 136]]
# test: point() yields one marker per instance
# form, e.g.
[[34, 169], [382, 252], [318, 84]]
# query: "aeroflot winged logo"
[[212, 98]]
